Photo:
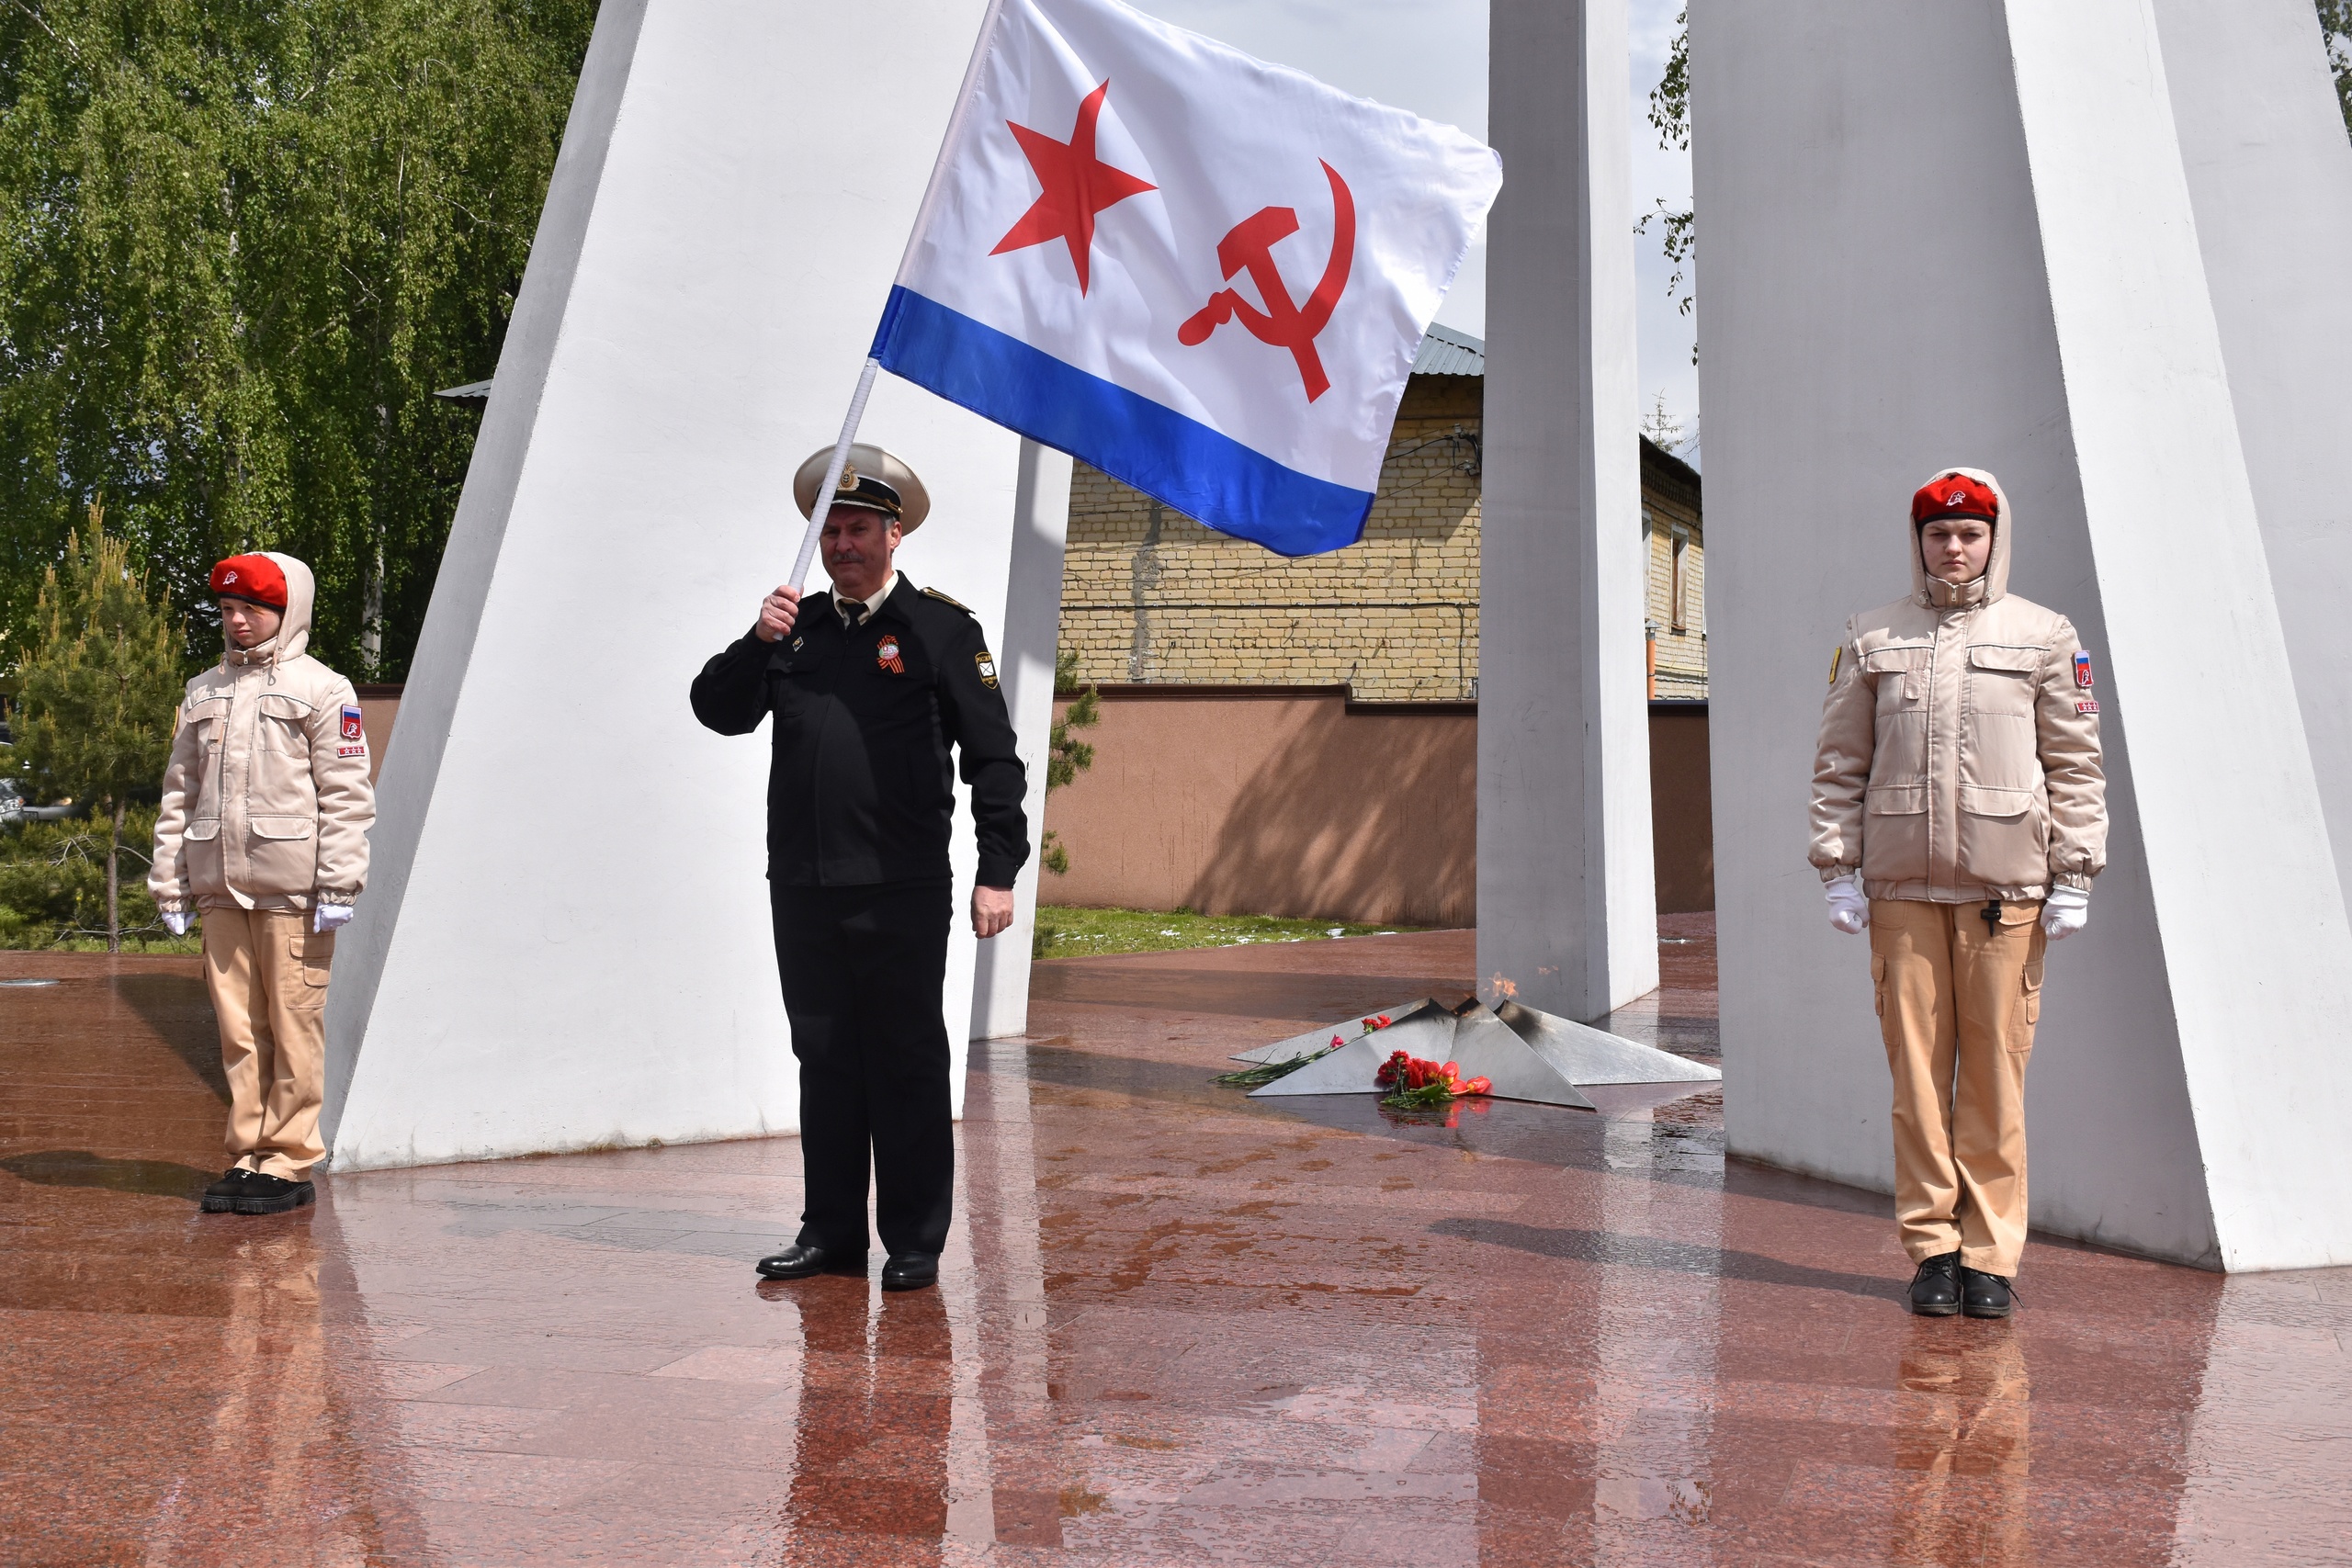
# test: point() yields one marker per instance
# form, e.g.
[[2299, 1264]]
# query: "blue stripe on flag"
[[1177, 461]]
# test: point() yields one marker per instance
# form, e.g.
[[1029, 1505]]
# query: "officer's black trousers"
[[863, 970]]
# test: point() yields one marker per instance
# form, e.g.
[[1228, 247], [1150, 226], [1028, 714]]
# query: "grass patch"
[[1064, 931]]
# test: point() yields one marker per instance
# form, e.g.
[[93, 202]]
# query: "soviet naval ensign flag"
[[1201, 274]]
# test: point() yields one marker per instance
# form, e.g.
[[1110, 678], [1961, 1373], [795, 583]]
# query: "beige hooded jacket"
[[1959, 754], [267, 802]]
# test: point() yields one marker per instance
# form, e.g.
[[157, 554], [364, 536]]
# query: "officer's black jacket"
[[860, 790]]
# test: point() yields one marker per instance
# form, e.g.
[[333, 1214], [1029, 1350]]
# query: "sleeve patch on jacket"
[[985, 663], [355, 725], [2087, 707], [358, 751], [1836, 654], [2082, 673]]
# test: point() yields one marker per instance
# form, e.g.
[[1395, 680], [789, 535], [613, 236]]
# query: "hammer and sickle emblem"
[[1283, 324]]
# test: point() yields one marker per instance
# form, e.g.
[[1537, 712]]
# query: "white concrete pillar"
[[2269, 169], [1567, 907], [1032, 634], [566, 939], [2005, 271]]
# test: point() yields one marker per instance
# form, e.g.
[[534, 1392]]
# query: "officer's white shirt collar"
[[856, 613]]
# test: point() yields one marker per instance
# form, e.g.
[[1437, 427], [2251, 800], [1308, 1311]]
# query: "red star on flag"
[[1074, 186]]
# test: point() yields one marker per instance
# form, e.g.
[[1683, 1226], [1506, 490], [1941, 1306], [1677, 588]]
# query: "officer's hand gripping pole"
[[833, 473]]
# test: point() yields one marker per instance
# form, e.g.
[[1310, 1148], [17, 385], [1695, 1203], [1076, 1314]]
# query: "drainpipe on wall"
[[1649, 655]]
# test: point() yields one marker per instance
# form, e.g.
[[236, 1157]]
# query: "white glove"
[[1850, 910], [2065, 912], [325, 917], [175, 921]]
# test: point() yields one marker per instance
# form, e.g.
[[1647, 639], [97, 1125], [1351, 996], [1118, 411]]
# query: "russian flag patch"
[[2083, 670]]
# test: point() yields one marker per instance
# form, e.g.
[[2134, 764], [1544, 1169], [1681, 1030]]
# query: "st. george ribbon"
[[1110, 193]]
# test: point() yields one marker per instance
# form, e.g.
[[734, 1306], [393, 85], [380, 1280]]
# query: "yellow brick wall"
[[1681, 648], [1150, 595]]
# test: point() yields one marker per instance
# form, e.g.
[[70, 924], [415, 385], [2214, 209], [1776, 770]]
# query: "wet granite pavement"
[[1174, 1326]]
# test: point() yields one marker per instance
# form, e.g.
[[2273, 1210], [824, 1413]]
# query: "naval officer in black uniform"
[[871, 684]]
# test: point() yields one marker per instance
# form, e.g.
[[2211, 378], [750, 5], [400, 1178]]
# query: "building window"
[[1681, 592]]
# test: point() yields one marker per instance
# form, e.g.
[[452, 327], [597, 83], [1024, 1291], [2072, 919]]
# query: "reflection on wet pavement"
[[1174, 1326]]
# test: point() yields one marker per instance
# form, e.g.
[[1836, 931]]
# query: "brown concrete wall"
[[378, 706], [1230, 801], [1681, 807], [1286, 801]]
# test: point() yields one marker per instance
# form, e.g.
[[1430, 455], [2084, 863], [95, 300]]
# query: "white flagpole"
[[833, 473]]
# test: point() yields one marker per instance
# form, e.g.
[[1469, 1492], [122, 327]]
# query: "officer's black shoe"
[[267, 1194], [799, 1262], [910, 1271], [1935, 1288], [221, 1197], [1986, 1295]]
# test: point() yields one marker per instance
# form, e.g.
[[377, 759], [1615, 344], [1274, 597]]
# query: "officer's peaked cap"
[[872, 478]]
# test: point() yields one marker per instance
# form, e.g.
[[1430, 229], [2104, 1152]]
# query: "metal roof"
[[475, 392], [1445, 351]]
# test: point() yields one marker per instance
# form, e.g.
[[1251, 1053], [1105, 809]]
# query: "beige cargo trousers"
[[1958, 1000], [267, 972]]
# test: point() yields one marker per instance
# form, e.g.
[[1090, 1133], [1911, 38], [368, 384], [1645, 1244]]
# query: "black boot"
[[1935, 1288], [1986, 1295], [221, 1197], [910, 1271], [798, 1261], [267, 1194]]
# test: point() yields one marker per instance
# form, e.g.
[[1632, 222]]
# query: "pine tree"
[[1066, 755], [100, 686]]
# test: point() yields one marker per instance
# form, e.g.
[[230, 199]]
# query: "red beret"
[[257, 577], [1954, 495]]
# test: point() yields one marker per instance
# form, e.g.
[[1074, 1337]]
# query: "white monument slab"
[[1586, 1056], [565, 943], [1568, 907], [1985, 233], [1032, 635]]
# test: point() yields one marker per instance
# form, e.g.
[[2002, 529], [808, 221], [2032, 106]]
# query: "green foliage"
[[1670, 114], [100, 683], [97, 689], [1267, 1072], [1670, 99], [1067, 931], [1066, 755], [240, 247], [52, 885], [2335, 22]]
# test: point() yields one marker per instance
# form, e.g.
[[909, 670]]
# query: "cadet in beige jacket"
[[1960, 814], [263, 829]]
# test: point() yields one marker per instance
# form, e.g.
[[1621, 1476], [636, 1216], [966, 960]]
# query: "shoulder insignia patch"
[[1836, 654], [985, 663], [354, 725], [936, 594], [2087, 707], [2083, 670]]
